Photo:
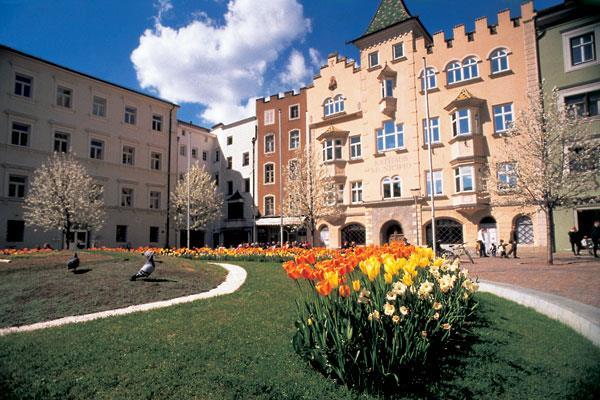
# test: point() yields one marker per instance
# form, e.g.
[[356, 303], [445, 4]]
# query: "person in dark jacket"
[[575, 240], [513, 240], [595, 235]]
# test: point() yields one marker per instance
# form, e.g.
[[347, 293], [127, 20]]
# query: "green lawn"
[[238, 347], [36, 288]]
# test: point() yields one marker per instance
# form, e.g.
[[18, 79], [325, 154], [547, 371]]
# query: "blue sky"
[[210, 56]]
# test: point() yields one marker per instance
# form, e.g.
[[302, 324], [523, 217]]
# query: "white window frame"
[[157, 122], [269, 117], [130, 115], [398, 135], [131, 155], [504, 175], [496, 57], [328, 108], [127, 193], [340, 193], [566, 38], [272, 213], [23, 85], [470, 67], [291, 118], [434, 123], [460, 173], [64, 99], [455, 120], [429, 76], [97, 150], [355, 148], [295, 141], [356, 190], [64, 141], [502, 113], [270, 174], [438, 176], [267, 150], [395, 55], [392, 182], [335, 147], [370, 58], [454, 70], [99, 108], [154, 200], [387, 87], [155, 162]]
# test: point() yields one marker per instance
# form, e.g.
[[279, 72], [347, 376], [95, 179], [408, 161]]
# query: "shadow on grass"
[[82, 271], [156, 280]]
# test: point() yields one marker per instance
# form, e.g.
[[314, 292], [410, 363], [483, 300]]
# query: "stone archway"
[[354, 234], [388, 229]]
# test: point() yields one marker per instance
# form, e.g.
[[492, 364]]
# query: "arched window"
[[392, 187], [338, 103], [328, 106], [428, 77], [469, 68], [499, 61], [324, 235], [524, 230], [447, 231], [354, 234], [454, 72]]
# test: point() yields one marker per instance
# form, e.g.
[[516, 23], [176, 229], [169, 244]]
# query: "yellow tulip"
[[370, 267], [356, 285], [332, 277], [388, 277], [407, 279]]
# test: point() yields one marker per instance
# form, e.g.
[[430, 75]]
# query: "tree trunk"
[[549, 236]]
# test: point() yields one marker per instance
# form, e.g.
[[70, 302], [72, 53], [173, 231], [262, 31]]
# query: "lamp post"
[[417, 195]]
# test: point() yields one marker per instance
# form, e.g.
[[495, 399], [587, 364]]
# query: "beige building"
[[120, 135], [369, 122]]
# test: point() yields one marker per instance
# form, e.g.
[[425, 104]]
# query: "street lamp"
[[416, 192]]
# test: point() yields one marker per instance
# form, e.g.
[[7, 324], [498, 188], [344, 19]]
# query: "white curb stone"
[[236, 276], [583, 318]]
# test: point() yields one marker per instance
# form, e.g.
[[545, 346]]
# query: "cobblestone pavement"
[[577, 278]]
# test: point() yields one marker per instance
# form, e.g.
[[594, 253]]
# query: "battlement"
[[282, 95]]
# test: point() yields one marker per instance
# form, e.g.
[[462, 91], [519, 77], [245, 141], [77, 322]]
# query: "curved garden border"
[[582, 318], [236, 276]]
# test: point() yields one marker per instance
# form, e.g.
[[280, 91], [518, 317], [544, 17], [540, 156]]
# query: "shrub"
[[375, 318]]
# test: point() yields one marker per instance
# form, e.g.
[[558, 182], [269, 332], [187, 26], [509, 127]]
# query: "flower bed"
[[375, 317]]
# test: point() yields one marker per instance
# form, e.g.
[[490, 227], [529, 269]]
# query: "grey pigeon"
[[73, 263], [147, 268]]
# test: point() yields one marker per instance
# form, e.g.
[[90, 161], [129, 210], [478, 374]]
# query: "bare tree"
[[63, 196], [205, 200], [550, 159], [311, 193]]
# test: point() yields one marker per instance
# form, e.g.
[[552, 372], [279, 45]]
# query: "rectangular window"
[[96, 149], [216, 179], [194, 152], [269, 206], [23, 85], [61, 142], [391, 137], [269, 117], [229, 162], [154, 200], [20, 134], [217, 156], [245, 159], [269, 173], [247, 185], [154, 234], [461, 122], [583, 48], [340, 193], [295, 111], [64, 97], [356, 188], [155, 161], [99, 106], [507, 177], [204, 155], [126, 197], [121, 234], [332, 149], [16, 186], [128, 155], [584, 104], [183, 150], [464, 179], [503, 117], [392, 188], [398, 51], [355, 147], [437, 182], [130, 115], [15, 230], [294, 139], [157, 121], [229, 140], [229, 188], [270, 144], [387, 88], [373, 59], [434, 123]]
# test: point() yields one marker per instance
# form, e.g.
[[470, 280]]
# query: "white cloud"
[[163, 7], [296, 72], [315, 58], [220, 67]]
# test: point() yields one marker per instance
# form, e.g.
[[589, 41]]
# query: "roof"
[[21, 53], [389, 12], [570, 10], [191, 124]]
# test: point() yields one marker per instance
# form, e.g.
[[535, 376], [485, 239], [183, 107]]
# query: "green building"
[[568, 50]]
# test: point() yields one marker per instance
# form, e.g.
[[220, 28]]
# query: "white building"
[[121, 136]]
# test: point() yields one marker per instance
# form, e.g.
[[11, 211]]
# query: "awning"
[[276, 221]]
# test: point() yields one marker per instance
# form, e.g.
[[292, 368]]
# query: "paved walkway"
[[236, 277], [576, 278]]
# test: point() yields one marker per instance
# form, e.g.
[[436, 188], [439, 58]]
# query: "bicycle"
[[456, 251]]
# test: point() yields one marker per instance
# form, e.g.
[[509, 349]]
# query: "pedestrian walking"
[[514, 241], [502, 249], [595, 235], [575, 240], [481, 242]]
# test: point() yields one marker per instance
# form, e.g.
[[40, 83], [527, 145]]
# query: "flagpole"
[[280, 180], [429, 137]]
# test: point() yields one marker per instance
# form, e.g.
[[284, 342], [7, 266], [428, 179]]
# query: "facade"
[[120, 135], [281, 136], [236, 180], [369, 122], [569, 49]]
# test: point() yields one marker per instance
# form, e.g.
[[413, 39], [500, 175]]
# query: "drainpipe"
[[169, 178], [254, 183]]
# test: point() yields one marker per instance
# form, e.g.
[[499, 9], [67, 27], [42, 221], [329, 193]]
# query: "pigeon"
[[73, 263], [147, 268]]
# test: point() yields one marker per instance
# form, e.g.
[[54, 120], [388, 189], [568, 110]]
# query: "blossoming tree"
[[63, 196], [310, 192], [205, 200], [550, 159]]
